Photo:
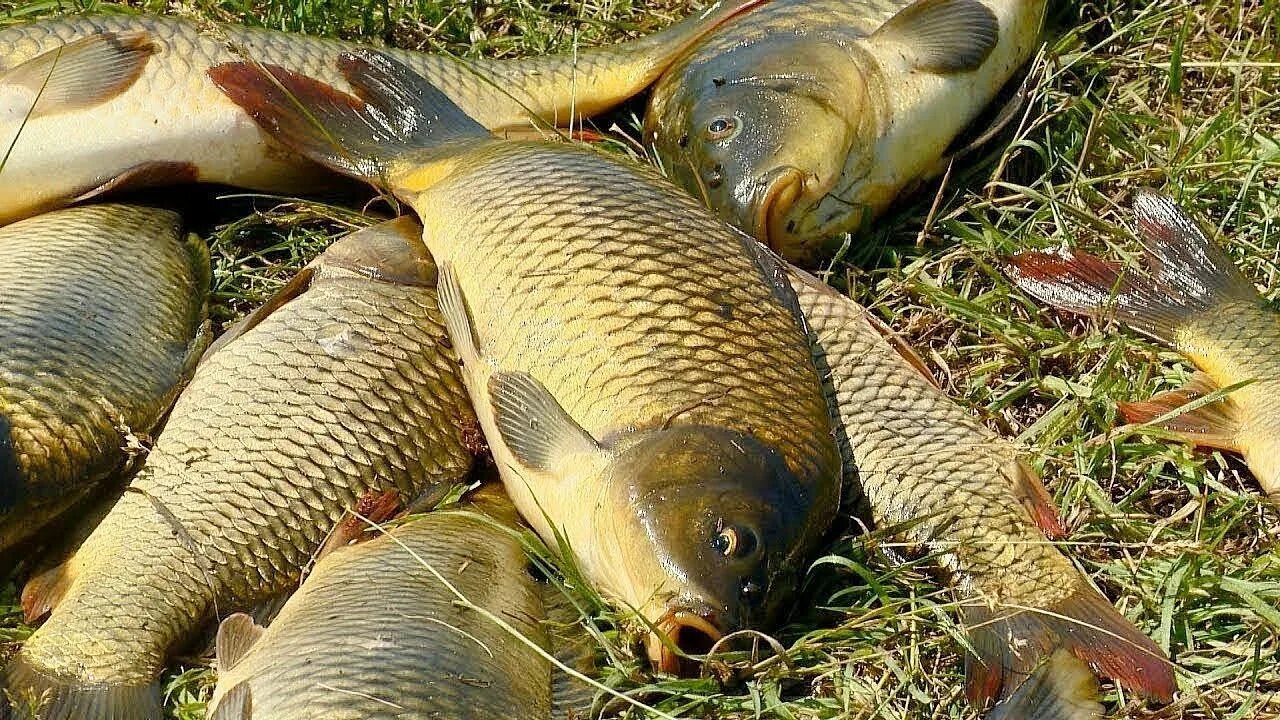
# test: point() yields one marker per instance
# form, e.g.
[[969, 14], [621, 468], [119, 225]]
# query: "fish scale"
[[344, 390], [100, 311], [660, 347]]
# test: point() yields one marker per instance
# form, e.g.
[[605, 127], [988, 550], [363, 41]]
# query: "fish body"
[[340, 387], [966, 496], [1194, 299], [92, 104], [375, 633], [638, 369], [101, 321], [805, 119]]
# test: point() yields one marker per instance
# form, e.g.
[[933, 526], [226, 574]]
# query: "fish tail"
[[29, 692], [1009, 643], [1186, 274], [394, 111], [1062, 688]]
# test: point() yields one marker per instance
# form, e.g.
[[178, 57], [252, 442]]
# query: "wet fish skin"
[[101, 321], [805, 119], [1191, 297], [966, 495], [627, 352], [373, 633], [142, 111], [341, 387]]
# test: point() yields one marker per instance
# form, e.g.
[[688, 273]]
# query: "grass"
[[1127, 94]]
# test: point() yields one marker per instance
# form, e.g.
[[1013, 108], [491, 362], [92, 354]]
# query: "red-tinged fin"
[[1182, 258], [143, 175], [1011, 642], [1035, 497], [82, 73], [236, 636], [374, 507], [45, 590], [1215, 425], [28, 692], [1062, 688]]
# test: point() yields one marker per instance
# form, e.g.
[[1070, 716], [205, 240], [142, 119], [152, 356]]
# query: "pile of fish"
[[601, 363]]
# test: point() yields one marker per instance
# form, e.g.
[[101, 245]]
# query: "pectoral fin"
[[457, 319], [943, 36], [534, 426], [236, 635], [1211, 425], [83, 73], [1035, 497]]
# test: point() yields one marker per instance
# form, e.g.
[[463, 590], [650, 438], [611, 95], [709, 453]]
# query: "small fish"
[[101, 322], [1192, 298], [341, 385], [805, 119], [97, 104], [638, 367], [965, 495], [403, 625]]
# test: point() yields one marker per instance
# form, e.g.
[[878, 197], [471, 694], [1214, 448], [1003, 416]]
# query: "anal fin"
[[1210, 425], [82, 73], [45, 590], [943, 36], [1035, 497]]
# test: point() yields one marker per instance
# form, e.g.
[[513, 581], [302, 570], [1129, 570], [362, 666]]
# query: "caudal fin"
[[1185, 274], [1062, 688], [1009, 643], [394, 111], [28, 692]]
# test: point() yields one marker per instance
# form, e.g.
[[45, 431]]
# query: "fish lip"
[[668, 627], [777, 194]]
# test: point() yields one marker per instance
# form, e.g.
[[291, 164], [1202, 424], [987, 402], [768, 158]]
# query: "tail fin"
[[1186, 275], [1062, 688], [394, 111], [1009, 642], [28, 692]]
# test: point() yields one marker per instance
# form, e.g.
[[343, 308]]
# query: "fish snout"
[[683, 630], [766, 215]]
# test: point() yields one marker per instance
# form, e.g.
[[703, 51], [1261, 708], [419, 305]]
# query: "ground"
[[1179, 96]]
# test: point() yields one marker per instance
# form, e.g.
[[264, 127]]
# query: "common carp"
[[402, 625], [94, 104], [1192, 298], [805, 119], [340, 386], [967, 497], [639, 367], [101, 321]]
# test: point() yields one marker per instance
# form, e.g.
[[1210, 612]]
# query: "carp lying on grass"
[[1192, 298], [340, 386], [638, 367], [95, 104], [805, 119], [101, 322]]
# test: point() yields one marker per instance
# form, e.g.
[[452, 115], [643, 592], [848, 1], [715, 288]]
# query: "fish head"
[[721, 518], [765, 141]]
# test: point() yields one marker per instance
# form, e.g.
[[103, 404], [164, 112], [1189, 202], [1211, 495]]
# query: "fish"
[[1191, 297], [102, 320], [967, 497], [805, 119], [139, 82], [404, 624], [341, 385], [638, 367]]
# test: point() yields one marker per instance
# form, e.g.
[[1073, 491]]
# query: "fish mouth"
[[772, 203], [692, 633]]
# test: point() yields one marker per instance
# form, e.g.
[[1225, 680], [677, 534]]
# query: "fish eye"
[[721, 128], [734, 542]]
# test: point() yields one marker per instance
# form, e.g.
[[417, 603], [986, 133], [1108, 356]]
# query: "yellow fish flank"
[[374, 633], [340, 386], [101, 321], [966, 495], [1192, 298], [638, 367], [93, 104], [805, 119]]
